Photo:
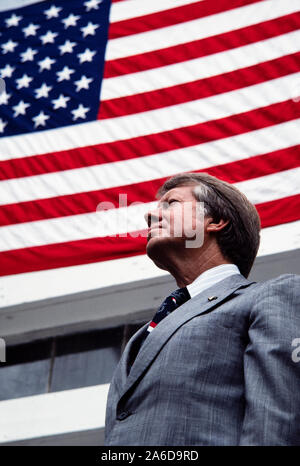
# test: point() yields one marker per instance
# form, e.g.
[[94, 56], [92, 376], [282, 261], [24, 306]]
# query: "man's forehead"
[[183, 192]]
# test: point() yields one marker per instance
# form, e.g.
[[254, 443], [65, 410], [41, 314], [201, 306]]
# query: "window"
[[61, 363]]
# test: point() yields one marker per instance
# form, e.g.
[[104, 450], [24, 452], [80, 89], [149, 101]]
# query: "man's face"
[[177, 222]]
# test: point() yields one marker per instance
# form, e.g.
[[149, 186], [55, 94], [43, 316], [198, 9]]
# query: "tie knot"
[[180, 296], [174, 300]]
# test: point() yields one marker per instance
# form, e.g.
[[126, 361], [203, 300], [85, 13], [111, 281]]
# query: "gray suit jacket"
[[217, 372]]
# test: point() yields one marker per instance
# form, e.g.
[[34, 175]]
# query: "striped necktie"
[[176, 299]]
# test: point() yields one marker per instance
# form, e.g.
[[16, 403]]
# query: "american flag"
[[184, 86]]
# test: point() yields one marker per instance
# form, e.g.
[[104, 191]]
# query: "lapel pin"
[[211, 298]]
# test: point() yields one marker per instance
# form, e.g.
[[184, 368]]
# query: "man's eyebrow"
[[171, 196]]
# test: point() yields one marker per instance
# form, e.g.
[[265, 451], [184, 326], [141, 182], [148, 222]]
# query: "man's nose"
[[153, 216]]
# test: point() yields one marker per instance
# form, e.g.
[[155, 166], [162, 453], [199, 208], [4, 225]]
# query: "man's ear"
[[213, 226]]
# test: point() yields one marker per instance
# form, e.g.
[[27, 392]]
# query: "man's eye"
[[172, 200]]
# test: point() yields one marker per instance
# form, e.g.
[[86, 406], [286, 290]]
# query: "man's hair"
[[239, 240]]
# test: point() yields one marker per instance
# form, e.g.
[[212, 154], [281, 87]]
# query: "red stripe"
[[152, 325], [279, 211], [172, 16], [201, 88], [152, 143], [80, 203], [102, 249], [202, 47], [68, 254], [260, 165]]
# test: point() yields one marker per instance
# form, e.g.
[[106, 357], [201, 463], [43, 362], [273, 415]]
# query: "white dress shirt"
[[210, 277]]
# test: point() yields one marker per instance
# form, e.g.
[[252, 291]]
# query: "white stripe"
[[272, 238], [150, 167], [75, 279], [53, 413], [79, 278], [200, 68], [131, 218], [12, 4], [119, 10], [136, 8], [271, 187], [198, 28], [150, 122], [75, 227]]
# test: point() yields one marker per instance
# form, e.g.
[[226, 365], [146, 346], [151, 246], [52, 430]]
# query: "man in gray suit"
[[218, 365]]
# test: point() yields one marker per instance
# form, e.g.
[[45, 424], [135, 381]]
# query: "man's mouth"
[[154, 227]]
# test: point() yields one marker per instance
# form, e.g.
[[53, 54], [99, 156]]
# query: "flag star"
[[7, 71], [9, 46], [24, 81], [61, 101], [87, 55], [2, 125], [67, 47], [83, 83], [52, 12], [20, 109], [64, 74], [43, 91], [92, 4], [89, 29], [46, 63], [13, 20], [28, 55], [30, 30], [79, 112], [4, 97], [71, 20], [40, 119], [49, 37]]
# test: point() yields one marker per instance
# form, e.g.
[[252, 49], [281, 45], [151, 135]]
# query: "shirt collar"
[[210, 277]]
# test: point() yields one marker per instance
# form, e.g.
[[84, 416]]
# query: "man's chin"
[[155, 253], [157, 241], [158, 249]]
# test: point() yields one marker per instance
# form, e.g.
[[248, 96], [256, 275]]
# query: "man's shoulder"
[[282, 283], [277, 296], [288, 280]]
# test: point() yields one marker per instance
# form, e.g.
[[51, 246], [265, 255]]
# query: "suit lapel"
[[122, 373], [200, 304]]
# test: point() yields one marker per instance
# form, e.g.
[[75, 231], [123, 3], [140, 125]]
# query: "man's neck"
[[186, 268], [210, 277]]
